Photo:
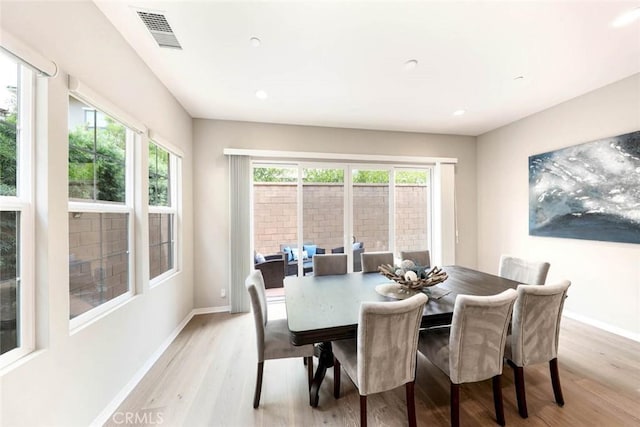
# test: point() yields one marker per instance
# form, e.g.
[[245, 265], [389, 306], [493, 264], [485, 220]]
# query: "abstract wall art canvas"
[[588, 191]]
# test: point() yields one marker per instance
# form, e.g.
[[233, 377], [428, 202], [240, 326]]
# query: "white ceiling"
[[341, 64]]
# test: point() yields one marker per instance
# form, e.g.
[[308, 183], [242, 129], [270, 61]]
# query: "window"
[[16, 221], [162, 211], [412, 225], [346, 208], [100, 210]]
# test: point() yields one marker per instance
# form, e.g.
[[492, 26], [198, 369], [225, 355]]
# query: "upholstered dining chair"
[[535, 329], [523, 271], [272, 336], [383, 356], [421, 258], [327, 264], [472, 348], [372, 260]]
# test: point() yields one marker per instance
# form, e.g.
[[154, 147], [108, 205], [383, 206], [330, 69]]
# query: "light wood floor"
[[207, 378]]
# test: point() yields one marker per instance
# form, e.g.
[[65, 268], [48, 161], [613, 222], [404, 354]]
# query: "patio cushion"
[[311, 250]]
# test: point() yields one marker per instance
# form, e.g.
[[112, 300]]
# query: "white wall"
[[605, 276], [211, 184], [72, 378]]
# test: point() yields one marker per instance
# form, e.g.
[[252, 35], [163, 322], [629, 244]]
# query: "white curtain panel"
[[239, 231]]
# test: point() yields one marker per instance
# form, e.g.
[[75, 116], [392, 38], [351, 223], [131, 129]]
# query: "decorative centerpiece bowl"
[[411, 277]]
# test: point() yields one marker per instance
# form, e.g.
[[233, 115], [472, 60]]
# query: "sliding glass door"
[[323, 201], [370, 201], [412, 210], [304, 209]]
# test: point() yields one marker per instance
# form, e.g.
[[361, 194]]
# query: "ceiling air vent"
[[160, 29]]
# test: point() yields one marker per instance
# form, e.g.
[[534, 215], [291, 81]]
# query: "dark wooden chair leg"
[[455, 405], [518, 375], [309, 363], [411, 404], [555, 381], [336, 378], [497, 399], [363, 411], [256, 396]]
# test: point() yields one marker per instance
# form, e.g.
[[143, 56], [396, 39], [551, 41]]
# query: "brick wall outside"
[[98, 259], [323, 212], [411, 218]]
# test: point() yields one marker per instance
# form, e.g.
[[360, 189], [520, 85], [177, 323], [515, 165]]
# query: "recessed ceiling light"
[[626, 18], [459, 112], [261, 94], [411, 64], [255, 42]]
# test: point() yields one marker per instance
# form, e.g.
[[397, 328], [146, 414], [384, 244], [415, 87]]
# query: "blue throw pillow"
[[259, 258], [294, 254], [357, 245], [287, 251], [311, 250]]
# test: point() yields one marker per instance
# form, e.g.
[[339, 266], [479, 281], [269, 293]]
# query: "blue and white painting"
[[588, 191]]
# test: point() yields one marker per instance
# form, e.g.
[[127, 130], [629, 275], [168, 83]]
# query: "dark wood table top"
[[326, 308]]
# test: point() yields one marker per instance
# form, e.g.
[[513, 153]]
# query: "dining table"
[[321, 309]]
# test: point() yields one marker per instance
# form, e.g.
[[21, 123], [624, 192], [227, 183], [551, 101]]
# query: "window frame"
[[175, 178], [23, 202], [132, 138]]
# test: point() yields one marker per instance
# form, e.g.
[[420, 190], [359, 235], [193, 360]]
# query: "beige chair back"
[[255, 285], [523, 271], [372, 260], [387, 343], [536, 323], [421, 258], [478, 336], [328, 264]]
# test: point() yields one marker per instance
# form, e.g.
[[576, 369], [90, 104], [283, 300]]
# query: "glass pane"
[[275, 219], [160, 243], [9, 283], [159, 188], [110, 161], [8, 120], [97, 160], [98, 259], [81, 173], [411, 199], [371, 209], [322, 212]]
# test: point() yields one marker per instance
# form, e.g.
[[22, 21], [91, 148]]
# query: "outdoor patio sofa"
[[291, 253]]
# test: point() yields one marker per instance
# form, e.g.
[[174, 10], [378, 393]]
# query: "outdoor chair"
[[358, 248], [273, 268]]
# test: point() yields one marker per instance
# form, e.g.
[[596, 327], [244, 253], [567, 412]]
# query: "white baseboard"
[[209, 310], [602, 325], [106, 413]]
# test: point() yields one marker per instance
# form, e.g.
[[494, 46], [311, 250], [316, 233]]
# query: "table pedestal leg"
[[325, 360]]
